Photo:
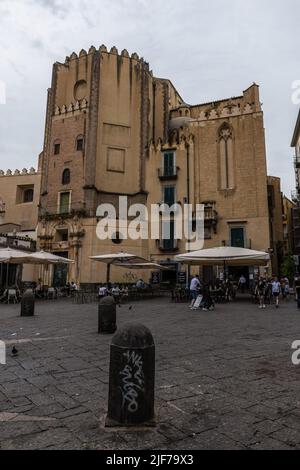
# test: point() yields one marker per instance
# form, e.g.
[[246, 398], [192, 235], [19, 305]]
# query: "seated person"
[[39, 290], [115, 292], [103, 292], [3, 297], [124, 293], [73, 286], [140, 284]]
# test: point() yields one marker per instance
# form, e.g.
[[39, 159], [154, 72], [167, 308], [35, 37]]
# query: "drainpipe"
[[188, 198]]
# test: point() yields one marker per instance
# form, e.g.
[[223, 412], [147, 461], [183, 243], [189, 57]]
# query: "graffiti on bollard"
[[2, 353], [131, 377]]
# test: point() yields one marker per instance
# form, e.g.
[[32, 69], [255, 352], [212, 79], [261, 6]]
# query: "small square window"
[[56, 149], [28, 195]]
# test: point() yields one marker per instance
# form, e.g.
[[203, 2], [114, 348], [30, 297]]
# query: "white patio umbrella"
[[117, 259], [11, 256], [142, 266], [226, 255], [42, 257]]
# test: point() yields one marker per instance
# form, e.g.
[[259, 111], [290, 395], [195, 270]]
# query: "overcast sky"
[[210, 49]]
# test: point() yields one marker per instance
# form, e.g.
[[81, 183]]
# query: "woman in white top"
[[276, 290]]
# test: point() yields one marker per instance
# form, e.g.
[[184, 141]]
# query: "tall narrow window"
[[169, 195], [168, 164], [64, 203], [237, 235], [168, 235], [66, 176], [226, 157], [56, 149], [79, 143]]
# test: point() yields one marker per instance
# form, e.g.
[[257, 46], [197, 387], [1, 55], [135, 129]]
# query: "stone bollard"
[[131, 377], [27, 304], [107, 316], [298, 296]]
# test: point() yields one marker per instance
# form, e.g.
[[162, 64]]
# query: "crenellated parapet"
[[31, 171], [102, 49]]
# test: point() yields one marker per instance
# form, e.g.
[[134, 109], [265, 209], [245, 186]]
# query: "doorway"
[[60, 273]]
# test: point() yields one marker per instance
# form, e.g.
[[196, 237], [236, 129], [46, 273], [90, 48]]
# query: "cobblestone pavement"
[[224, 379]]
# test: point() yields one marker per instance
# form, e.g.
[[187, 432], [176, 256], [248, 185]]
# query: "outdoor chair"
[[12, 295], [51, 294], [3, 298]]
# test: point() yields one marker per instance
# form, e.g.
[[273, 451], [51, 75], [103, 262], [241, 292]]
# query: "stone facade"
[[110, 124], [296, 194], [288, 207], [19, 198], [276, 222]]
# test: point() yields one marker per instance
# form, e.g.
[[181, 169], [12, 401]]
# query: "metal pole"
[[108, 273], [7, 269]]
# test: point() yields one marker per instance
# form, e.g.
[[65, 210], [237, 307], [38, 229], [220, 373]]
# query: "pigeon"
[[14, 351], [130, 308]]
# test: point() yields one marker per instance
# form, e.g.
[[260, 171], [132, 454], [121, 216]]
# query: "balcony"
[[246, 244], [168, 245], [165, 174], [53, 212], [14, 241], [297, 161], [210, 217]]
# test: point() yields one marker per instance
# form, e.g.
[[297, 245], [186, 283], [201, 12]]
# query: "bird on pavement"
[[14, 351]]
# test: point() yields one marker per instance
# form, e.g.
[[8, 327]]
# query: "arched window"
[[66, 176], [79, 143], [226, 157]]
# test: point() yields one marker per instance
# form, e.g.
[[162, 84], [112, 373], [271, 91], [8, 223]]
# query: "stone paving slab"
[[224, 379]]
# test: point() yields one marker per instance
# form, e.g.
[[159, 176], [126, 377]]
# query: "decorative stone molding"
[[71, 109], [230, 110]]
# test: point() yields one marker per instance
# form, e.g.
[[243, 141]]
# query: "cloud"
[[209, 49]]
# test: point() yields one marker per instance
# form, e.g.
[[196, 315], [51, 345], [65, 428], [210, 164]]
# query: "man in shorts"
[[276, 287]]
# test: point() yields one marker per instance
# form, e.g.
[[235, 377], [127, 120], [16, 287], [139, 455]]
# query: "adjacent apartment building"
[[113, 128], [19, 199]]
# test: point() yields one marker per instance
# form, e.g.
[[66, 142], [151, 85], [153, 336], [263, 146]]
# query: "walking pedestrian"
[[194, 289], [261, 291], [276, 287], [242, 283]]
